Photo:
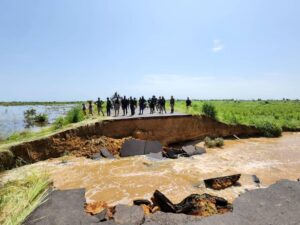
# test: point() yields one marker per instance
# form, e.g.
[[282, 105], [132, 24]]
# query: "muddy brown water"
[[122, 180]]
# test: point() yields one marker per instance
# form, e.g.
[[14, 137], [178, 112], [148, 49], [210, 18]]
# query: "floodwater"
[[122, 180], [12, 117]]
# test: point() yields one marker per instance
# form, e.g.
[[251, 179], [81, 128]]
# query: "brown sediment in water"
[[123, 180], [85, 140]]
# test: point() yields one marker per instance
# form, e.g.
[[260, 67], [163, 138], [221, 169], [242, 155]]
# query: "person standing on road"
[[132, 106], [99, 106], [84, 109], [108, 106], [117, 106], [124, 105], [172, 104], [188, 103], [163, 104], [90, 107], [142, 103]]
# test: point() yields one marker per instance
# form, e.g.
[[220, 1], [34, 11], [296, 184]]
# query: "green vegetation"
[[20, 197], [211, 143], [41, 118], [209, 110], [270, 116]]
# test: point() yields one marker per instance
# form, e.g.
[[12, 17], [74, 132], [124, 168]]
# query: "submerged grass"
[[19, 198]]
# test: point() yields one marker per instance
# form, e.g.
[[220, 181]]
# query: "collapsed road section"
[[86, 140]]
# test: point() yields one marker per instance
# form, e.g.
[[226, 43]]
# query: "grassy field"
[[20, 197], [285, 114]]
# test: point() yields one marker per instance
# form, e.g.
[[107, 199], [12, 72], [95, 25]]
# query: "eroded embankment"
[[86, 140]]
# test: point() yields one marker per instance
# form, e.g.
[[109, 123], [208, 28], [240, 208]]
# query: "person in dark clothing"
[[99, 106], [117, 106], [124, 105], [84, 109], [163, 104], [188, 103], [152, 105], [142, 104], [108, 106], [132, 106], [90, 107], [172, 104], [159, 104]]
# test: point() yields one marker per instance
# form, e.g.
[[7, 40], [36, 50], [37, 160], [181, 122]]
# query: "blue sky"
[[78, 50]]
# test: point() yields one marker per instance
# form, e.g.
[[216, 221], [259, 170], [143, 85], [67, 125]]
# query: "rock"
[[106, 154], [171, 154], [96, 156], [141, 202], [132, 147], [195, 204], [163, 202], [219, 183], [95, 207], [255, 179], [190, 150], [133, 215], [103, 215]]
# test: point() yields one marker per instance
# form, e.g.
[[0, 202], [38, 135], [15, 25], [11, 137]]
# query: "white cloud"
[[217, 45]]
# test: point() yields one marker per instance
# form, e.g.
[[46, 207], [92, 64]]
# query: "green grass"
[[19, 198], [284, 114]]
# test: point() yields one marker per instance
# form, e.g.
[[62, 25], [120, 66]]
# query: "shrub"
[[209, 110], [59, 122], [270, 129], [219, 142], [210, 143], [41, 118], [75, 115]]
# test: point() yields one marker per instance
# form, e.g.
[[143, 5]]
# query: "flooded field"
[[12, 117], [122, 180]]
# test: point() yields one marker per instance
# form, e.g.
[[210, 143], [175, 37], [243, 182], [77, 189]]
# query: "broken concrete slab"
[[219, 183], [190, 150], [61, 208], [134, 147], [125, 214], [157, 156], [106, 154], [172, 153], [96, 156], [153, 147], [277, 205], [161, 218]]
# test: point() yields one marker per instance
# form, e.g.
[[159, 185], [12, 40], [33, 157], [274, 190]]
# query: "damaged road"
[[278, 204]]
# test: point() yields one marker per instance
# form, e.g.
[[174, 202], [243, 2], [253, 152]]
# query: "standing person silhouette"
[[108, 106], [188, 103], [99, 106], [90, 107], [172, 104]]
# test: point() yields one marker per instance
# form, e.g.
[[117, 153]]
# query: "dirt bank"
[[86, 140]]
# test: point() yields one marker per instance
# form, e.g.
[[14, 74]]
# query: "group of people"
[[117, 102]]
